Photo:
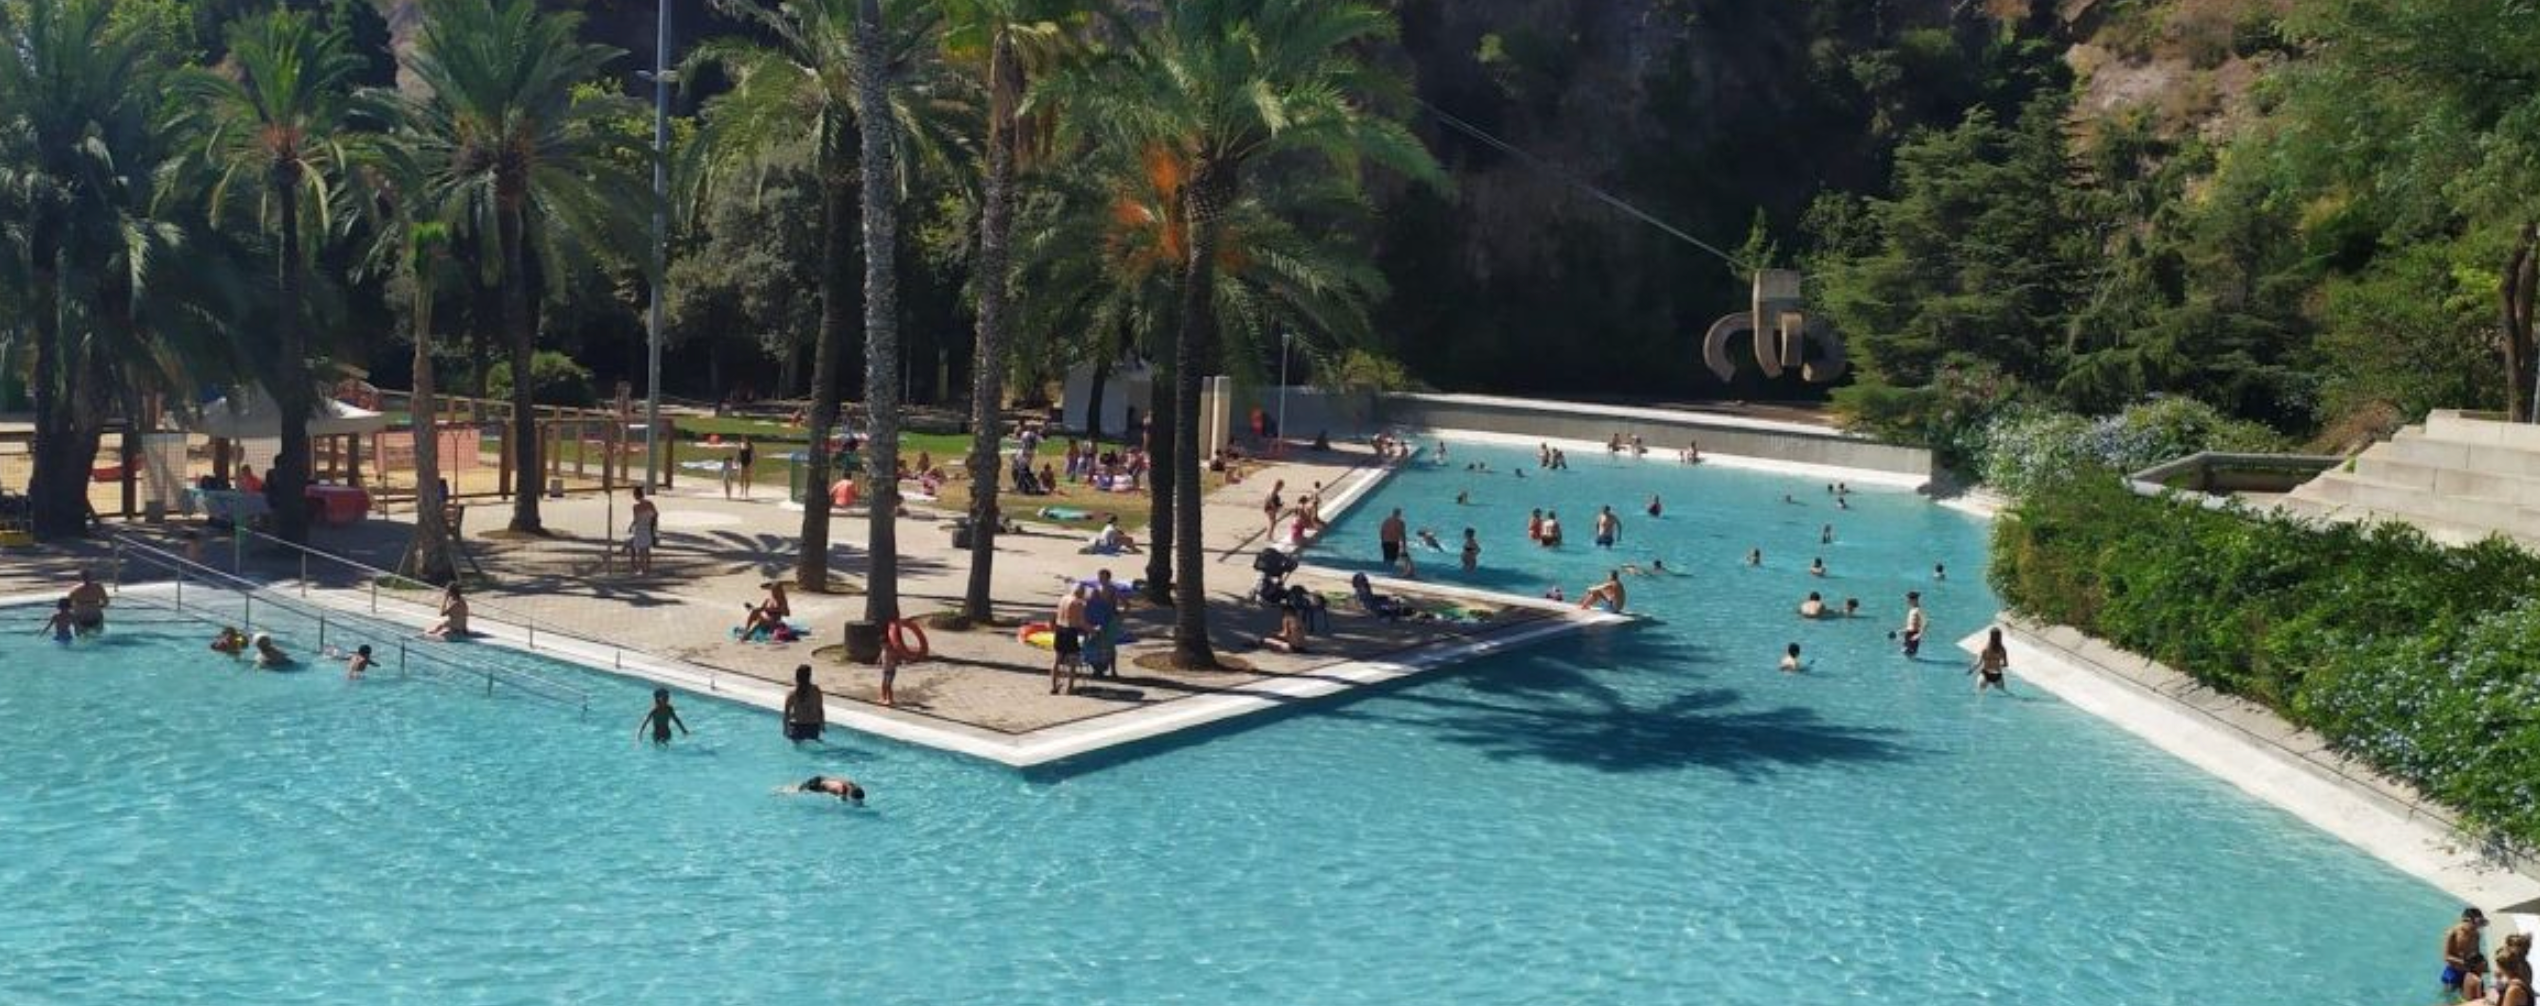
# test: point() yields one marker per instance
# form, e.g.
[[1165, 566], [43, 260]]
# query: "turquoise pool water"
[[1651, 815]]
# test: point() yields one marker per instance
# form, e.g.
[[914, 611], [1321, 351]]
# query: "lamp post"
[[1284, 337], [661, 77]]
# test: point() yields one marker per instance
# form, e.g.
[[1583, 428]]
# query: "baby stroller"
[[1274, 567]]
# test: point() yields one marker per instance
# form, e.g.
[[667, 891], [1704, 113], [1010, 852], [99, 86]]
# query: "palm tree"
[[278, 117], [72, 99], [881, 204], [1227, 85], [1004, 28], [518, 163], [803, 82], [427, 243]]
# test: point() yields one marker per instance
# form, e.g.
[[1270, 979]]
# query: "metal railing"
[[532, 627], [408, 659]]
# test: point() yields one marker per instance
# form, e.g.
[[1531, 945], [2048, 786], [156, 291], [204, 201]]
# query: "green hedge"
[[2421, 660]]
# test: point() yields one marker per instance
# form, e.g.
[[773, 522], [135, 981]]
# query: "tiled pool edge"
[[1041, 747], [2262, 756]]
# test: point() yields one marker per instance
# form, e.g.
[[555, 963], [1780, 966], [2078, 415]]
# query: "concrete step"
[[2443, 532], [2413, 445], [2340, 490], [2452, 425], [2495, 484]]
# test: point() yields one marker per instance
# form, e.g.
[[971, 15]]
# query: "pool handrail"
[[248, 591], [530, 625]]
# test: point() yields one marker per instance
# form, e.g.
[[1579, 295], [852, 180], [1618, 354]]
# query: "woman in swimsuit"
[[453, 624], [1990, 664]]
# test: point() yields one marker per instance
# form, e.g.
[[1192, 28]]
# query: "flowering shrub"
[[1950, 415], [2420, 660], [2026, 445]]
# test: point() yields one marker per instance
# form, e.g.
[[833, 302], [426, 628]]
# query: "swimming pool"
[[1650, 815]]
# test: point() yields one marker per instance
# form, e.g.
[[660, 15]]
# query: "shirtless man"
[[88, 604], [1390, 535], [1610, 592], [835, 785], [1912, 633], [1068, 627], [1609, 528], [2460, 943]]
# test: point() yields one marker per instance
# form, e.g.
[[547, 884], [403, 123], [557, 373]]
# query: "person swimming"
[[230, 641], [61, 624], [1791, 664], [1429, 538], [269, 656], [359, 663], [1813, 607], [835, 785], [659, 720]]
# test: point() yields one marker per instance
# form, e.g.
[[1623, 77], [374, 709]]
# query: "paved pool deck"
[[983, 693]]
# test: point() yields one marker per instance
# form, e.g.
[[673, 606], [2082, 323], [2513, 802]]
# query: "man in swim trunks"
[[804, 713], [1610, 592], [1068, 628], [1608, 527], [835, 785], [1551, 536], [2460, 943], [1912, 633], [641, 532], [1389, 536], [88, 602]]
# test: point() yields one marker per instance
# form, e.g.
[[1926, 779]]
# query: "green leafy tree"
[[1972, 257], [515, 163], [276, 129], [2426, 114], [1228, 85], [72, 99]]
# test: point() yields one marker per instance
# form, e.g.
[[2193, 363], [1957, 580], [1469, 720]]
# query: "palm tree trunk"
[[429, 556], [1094, 399], [1163, 443], [59, 485], [526, 480], [881, 316], [837, 327], [996, 225], [1211, 189], [294, 396]]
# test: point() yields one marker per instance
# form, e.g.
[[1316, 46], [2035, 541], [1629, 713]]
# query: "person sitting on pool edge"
[[453, 623], [835, 785], [1610, 592]]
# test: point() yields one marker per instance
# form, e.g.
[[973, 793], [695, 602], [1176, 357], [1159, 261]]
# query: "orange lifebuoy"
[[896, 636]]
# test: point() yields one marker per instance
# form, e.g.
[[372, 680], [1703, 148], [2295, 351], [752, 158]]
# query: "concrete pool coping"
[[1664, 455], [2256, 751]]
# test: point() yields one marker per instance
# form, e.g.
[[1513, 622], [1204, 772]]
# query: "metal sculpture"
[[1779, 320]]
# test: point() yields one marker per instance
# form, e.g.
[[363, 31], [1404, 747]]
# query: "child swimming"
[[661, 719]]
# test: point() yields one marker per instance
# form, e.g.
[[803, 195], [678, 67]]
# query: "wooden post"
[[353, 459]]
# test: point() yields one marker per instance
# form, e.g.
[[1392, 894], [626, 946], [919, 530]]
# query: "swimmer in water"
[[1813, 607], [1791, 664], [660, 720], [269, 656], [1655, 508], [230, 641], [1851, 607], [1754, 557], [358, 663], [1825, 535], [1463, 497], [1429, 537], [1817, 566], [835, 785], [60, 623]]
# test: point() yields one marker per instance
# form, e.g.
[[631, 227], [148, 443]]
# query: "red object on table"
[[340, 504]]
